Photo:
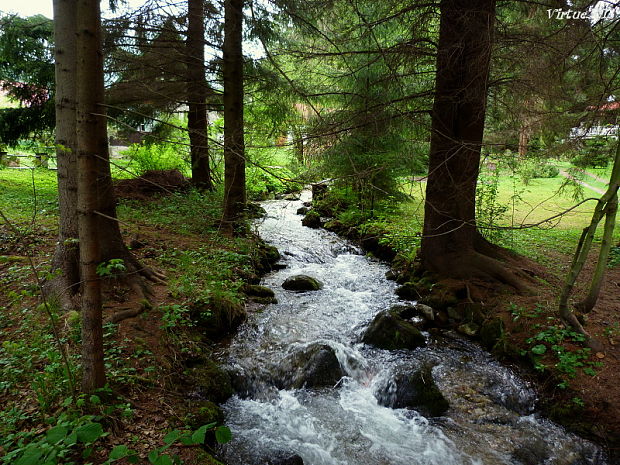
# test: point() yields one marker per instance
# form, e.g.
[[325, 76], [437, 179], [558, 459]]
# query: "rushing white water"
[[491, 418]]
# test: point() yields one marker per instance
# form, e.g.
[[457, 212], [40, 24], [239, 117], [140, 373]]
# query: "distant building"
[[605, 122]]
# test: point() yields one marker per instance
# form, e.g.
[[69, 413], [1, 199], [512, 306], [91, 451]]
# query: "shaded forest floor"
[[160, 365]]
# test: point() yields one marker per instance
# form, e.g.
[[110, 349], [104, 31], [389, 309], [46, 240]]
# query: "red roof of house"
[[611, 106]]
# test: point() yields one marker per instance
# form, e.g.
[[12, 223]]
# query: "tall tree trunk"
[[197, 121], [66, 256], [234, 147], [91, 142], [108, 234], [451, 244], [524, 139]]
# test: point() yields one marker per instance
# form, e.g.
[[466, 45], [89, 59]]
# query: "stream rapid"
[[492, 417]]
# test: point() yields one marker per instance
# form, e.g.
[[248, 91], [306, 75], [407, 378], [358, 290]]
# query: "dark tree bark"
[[451, 244], [66, 256], [197, 91], [91, 142], [234, 147], [107, 232]]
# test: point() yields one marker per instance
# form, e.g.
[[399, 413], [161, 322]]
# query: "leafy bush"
[[489, 210], [145, 157], [536, 169], [68, 442], [335, 202], [261, 182], [353, 216]]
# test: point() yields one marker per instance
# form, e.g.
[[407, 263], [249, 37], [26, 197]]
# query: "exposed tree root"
[[136, 277], [473, 265], [60, 290], [129, 313], [571, 321]]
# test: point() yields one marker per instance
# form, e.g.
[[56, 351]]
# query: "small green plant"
[[612, 331], [146, 157], [489, 209], [614, 257], [553, 340], [113, 267], [578, 401], [521, 312], [187, 438], [175, 316], [68, 442]]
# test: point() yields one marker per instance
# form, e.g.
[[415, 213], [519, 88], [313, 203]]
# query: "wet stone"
[[255, 290], [389, 331], [302, 282], [408, 291], [469, 329], [416, 391], [285, 459], [313, 366], [491, 332], [312, 220], [535, 452], [391, 275], [427, 312]]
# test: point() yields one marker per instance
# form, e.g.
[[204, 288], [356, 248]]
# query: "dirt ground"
[[590, 405], [155, 386]]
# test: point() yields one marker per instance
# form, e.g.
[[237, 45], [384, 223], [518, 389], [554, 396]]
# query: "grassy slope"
[[141, 356]]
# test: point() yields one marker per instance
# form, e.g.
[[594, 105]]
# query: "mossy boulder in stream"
[[416, 391], [268, 255], [312, 220], [314, 366], [260, 294], [218, 317], [255, 290], [302, 282], [388, 330], [210, 381], [254, 210], [491, 332]]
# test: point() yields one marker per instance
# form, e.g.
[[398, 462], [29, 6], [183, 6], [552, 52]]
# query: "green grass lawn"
[[29, 194], [542, 199], [532, 203]]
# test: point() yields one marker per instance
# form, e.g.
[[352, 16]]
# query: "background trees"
[[197, 91], [27, 74]]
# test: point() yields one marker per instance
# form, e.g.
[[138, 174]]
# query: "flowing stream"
[[491, 419]]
